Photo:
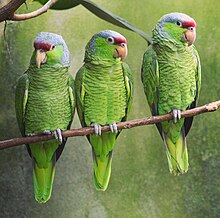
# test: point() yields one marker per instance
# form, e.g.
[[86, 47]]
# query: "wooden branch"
[[43, 9], [121, 125], [7, 11]]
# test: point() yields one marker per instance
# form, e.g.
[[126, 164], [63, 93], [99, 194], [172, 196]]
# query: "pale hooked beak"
[[189, 36], [41, 57], [121, 51]]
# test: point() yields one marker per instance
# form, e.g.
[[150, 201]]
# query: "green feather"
[[44, 101], [102, 158], [43, 180], [102, 172], [171, 76], [104, 90]]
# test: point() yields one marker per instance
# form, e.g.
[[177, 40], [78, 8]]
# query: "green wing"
[[80, 92], [188, 121], [21, 96], [198, 76], [72, 97], [150, 78], [129, 84]]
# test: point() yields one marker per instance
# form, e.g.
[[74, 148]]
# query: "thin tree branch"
[[43, 9], [121, 125], [8, 10]]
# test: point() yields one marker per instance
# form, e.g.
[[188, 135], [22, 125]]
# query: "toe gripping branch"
[[176, 115], [56, 133], [210, 107], [98, 128]]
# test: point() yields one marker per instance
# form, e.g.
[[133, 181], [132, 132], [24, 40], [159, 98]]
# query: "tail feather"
[[102, 171], [177, 154], [43, 181]]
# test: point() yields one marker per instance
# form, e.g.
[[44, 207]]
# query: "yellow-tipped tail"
[[102, 171], [43, 181], [177, 155]]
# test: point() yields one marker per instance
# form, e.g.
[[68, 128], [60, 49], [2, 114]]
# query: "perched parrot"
[[104, 89], [171, 75], [45, 104]]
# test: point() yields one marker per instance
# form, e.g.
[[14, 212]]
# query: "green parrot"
[[45, 104], [171, 76], [104, 90]]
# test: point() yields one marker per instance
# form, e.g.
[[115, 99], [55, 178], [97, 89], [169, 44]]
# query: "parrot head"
[[178, 27], [107, 45], [51, 50]]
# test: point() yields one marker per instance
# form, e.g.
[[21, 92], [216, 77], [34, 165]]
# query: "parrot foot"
[[113, 127], [176, 115], [33, 134], [56, 133], [98, 128]]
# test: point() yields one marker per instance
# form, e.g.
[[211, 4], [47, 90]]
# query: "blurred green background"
[[140, 185]]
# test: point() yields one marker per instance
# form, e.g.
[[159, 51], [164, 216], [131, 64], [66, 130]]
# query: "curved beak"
[[41, 57], [189, 35], [121, 51]]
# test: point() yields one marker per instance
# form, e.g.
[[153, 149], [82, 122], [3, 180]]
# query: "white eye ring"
[[178, 23], [110, 40]]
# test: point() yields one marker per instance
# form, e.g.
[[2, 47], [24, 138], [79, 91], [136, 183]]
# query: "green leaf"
[[101, 13], [61, 4], [114, 19]]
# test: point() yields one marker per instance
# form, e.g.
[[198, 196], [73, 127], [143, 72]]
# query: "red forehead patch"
[[186, 24], [119, 40], [42, 45]]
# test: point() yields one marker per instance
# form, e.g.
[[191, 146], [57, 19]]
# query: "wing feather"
[[129, 85], [150, 80], [188, 121], [21, 97]]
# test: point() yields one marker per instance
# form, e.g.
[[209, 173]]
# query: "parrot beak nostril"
[[121, 51], [189, 36]]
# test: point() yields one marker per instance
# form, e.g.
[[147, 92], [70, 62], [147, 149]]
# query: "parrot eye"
[[123, 45], [110, 40], [52, 47], [178, 23]]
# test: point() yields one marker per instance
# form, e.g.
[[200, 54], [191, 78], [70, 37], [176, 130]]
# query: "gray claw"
[[98, 129], [32, 134], [58, 135], [176, 115], [113, 127], [47, 132]]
